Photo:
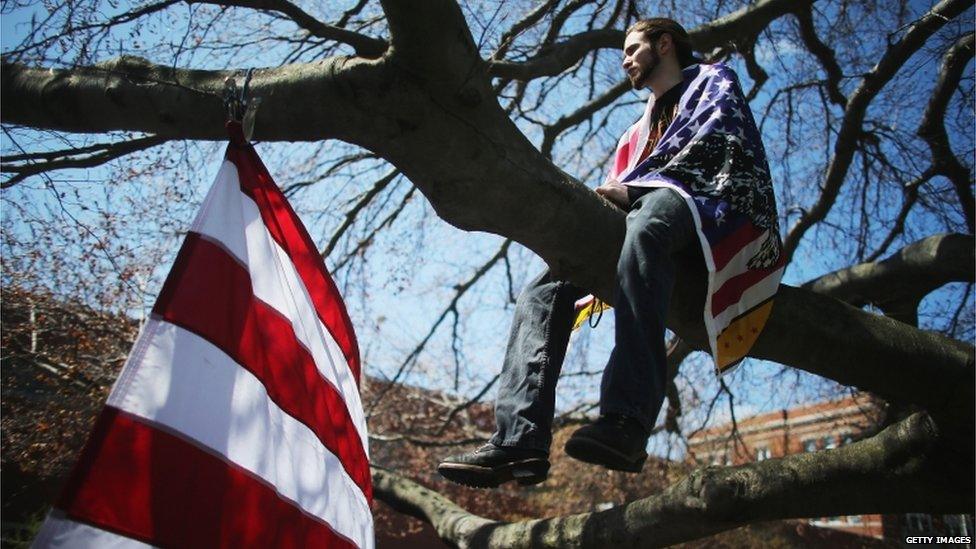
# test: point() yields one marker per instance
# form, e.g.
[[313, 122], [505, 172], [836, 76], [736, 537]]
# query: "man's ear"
[[665, 44]]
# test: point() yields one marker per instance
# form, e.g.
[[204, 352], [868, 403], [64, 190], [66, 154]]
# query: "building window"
[[828, 521], [918, 523], [810, 445], [762, 453], [829, 443], [855, 519], [956, 525]]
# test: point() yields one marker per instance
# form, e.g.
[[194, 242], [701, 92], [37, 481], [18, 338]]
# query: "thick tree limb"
[[850, 131], [896, 471], [129, 93], [897, 284], [558, 57], [913, 366], [431, 39]]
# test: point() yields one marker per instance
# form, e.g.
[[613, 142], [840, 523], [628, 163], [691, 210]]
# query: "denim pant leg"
[[526, 400], [633, 384]]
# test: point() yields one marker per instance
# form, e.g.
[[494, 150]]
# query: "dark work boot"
[[613, 441], [491, 465]]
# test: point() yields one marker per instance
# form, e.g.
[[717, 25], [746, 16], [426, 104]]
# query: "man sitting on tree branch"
[[692, 169]]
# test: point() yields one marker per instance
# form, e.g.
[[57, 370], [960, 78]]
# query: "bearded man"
[[692, 174]]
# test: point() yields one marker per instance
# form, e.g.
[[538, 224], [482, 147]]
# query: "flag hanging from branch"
[[236, 421]]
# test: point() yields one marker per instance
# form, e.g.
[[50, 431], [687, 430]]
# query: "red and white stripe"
[[236, 421]]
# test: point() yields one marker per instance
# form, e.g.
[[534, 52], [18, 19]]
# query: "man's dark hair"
[[656, 26]]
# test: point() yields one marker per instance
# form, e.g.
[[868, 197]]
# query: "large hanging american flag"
[[236, 421]]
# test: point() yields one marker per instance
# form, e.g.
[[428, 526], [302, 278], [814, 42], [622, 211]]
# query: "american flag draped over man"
[[712, 154]]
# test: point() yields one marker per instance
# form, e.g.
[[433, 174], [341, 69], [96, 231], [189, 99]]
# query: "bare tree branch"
[[367, 240], [519, 27], [804, 15], [910, 196], [368, 197], [897, 284], [554, 59], [365, 46], [122, 18], [850, 131], [894, 471], [26, 165], [552, 132], [756, 72], [451, 308], [932, 127]]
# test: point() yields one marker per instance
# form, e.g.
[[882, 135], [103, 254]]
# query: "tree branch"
[[897, 284], [365, 46], [119, 19], [519, 27], [431, 39], [850, 130], [932, 128], [804, 15], [895, 471], [910, 196], [552, 60], [26, 165], [132, 94], [552, 132], [459, 292], [364, 201]]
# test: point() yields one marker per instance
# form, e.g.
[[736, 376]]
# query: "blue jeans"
[[658, 225]]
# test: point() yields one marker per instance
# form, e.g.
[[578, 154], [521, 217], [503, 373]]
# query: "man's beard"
[[641, 79]]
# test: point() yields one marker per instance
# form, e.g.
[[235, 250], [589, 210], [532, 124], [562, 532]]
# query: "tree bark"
[[898, 470]]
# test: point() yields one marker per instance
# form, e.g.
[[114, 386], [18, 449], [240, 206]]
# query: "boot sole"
[[526, 472], [597, 453]]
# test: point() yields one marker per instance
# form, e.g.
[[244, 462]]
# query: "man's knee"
[[660, 222]]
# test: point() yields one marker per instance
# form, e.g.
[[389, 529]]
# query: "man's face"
[[640, 59]]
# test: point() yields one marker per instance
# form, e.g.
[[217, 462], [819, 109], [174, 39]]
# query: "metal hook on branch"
[[240, 107]]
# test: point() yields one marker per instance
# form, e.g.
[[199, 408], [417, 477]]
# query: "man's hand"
[[616, 193]]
